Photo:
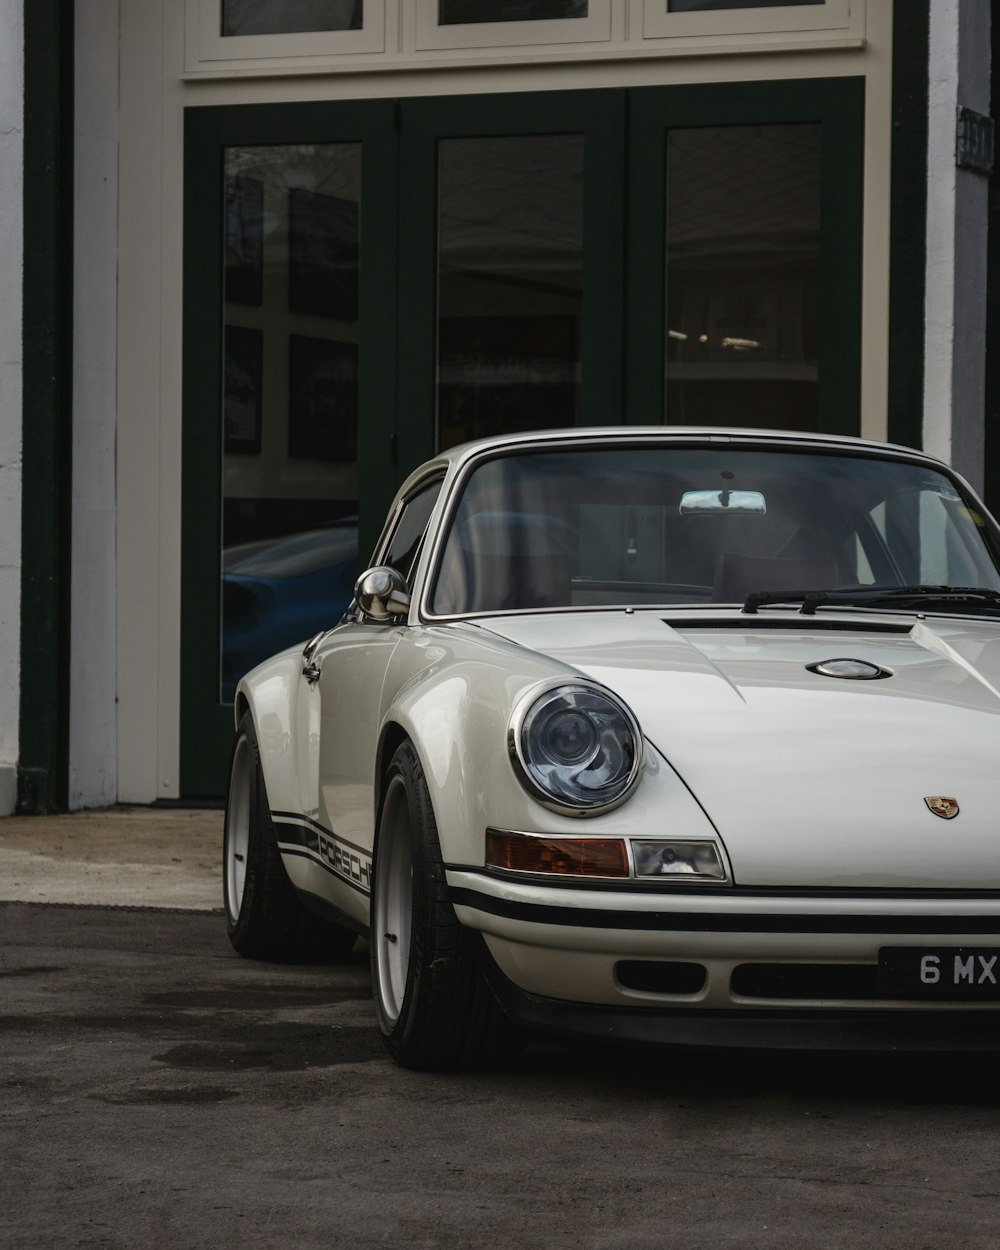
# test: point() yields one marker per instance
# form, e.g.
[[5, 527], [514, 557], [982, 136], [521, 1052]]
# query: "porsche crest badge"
[[941, 806]]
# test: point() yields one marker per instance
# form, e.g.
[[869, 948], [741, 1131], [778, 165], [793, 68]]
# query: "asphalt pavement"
[[158, 1091]]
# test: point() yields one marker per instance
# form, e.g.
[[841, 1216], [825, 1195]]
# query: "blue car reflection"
[[281, 590]]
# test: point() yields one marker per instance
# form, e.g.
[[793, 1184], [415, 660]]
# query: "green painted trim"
[[624, 205], [991, 467], [206, 724], [836, 103], [47, 415], [908, 219], [597, 115]]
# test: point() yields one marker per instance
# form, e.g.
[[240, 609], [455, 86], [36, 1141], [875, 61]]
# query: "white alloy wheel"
[[393, 911], [237, 834]]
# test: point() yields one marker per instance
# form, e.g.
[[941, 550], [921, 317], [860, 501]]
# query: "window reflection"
[[289, 428], [467, 12], [700, 6], [286, 17], [743, 276], [509, 284]]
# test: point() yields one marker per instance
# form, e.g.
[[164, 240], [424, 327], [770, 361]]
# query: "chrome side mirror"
[[382, 593]]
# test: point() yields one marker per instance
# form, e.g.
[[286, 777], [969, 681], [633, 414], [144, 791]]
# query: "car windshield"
[[642, 525]]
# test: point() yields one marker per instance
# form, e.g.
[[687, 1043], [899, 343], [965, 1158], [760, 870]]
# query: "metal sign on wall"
[[974, 149]]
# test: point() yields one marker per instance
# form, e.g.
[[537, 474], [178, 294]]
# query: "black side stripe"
[[728, 922], [299, 836], [313, 828]]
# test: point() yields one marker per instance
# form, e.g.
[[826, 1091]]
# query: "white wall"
[[93, 778], [157, 84], [955, 306], [11, 223]]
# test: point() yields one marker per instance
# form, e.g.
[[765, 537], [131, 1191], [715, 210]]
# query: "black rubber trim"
[[874, 1031], [719, 922], [820, 624], [870, 1030]]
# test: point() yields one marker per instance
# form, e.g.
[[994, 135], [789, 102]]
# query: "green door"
[[366, 283], [744, 255]]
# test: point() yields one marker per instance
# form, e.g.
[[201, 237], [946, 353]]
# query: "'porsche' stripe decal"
[[717, 922], [297, 835]]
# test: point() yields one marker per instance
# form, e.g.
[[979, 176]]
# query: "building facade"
[[261, 257]]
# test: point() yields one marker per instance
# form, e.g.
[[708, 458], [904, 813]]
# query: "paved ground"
[[120, 857], [158, 1091]]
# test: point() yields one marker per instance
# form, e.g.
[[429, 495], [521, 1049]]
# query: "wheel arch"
[[392, 737], [457, 720], [282, 705]]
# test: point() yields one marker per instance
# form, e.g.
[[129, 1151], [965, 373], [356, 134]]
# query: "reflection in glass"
[[699, 6], [289, 490], [467, 12], [509, 284], [286, 17], [607, 527], [743, 242]]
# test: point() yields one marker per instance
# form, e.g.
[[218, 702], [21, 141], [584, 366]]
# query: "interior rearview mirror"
[[722, 502]]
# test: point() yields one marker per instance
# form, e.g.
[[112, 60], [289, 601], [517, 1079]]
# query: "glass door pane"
[[290, 397], [698, 6], [452, 12], [743, 266], [279, 17], [510, 284]]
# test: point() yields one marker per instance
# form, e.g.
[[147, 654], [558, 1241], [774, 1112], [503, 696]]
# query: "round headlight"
[[575, 746]]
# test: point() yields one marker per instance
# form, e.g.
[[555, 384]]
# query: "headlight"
[[575, 747]]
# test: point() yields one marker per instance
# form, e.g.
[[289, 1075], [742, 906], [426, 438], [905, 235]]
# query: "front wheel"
[[434, 1008], [265, 918]]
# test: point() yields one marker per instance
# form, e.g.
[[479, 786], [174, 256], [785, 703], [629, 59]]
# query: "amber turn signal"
[[566, 857]]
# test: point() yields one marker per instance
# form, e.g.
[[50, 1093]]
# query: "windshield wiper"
[[872, 596], [810, 599], [921, 594]]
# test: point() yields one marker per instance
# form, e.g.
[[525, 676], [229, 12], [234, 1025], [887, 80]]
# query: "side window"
[[404, 544]]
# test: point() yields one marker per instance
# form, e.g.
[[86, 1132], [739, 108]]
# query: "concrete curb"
[[117, 857]]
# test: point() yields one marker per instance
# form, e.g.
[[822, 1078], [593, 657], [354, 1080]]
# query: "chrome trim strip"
[[520, 766]]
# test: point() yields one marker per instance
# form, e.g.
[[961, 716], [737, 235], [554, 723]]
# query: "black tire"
[[434, 1007], [265, 918]]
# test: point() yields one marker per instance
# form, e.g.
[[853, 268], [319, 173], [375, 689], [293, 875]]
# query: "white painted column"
[[955, 308], [11, 262], [93, 671]]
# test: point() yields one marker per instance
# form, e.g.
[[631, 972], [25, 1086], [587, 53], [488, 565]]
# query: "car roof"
[[456, 457]]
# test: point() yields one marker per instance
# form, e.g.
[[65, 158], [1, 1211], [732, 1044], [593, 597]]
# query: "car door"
[[353, 660]]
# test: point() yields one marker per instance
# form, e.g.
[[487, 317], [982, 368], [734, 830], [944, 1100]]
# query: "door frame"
[[206, 724], [623, 314], [838, 105]]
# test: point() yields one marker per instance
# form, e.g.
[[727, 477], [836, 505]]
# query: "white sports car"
[[656, 734]]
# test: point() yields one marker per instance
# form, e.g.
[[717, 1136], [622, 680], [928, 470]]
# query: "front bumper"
[[763, 965], [860, 1030]]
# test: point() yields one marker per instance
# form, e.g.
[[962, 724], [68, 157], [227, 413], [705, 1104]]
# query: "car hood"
[[812, 781]]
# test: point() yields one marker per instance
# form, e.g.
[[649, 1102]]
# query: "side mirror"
[[382, 593]]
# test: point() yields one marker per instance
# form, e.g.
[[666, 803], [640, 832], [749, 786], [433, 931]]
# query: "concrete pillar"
[[11, 240], [955, 307], [93, 780]]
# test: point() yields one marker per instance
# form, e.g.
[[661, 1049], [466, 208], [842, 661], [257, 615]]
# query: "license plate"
[[940, 971]]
